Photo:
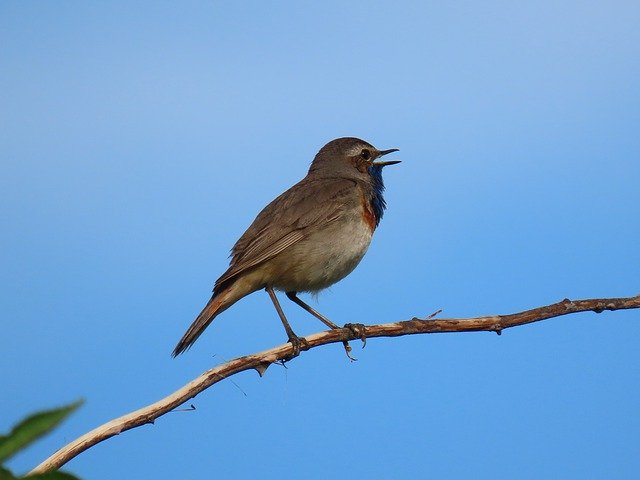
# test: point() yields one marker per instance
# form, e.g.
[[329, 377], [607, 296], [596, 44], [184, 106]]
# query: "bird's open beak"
[[389, 162]]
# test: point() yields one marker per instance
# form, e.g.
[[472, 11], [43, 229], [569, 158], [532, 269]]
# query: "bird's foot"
[[358, 330], [298, 343]]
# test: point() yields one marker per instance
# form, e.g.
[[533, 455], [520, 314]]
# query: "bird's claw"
[[358, 331], [347, 350]]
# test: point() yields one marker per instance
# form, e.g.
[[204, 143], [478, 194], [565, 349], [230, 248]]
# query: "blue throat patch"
[[377, 200]]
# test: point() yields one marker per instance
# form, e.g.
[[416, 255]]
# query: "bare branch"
[[261, 361]]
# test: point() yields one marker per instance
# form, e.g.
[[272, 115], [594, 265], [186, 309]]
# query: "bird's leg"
[[295, 340], [294, 298]]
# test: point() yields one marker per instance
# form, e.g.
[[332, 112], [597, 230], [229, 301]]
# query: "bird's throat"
[[378, 204]]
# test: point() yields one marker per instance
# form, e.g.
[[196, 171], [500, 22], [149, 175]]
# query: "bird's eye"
[[366, 154]]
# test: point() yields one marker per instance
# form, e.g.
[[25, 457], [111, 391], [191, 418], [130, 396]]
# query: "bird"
[[308, 238]]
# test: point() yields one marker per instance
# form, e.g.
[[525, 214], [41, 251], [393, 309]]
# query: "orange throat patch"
[[368, 215]]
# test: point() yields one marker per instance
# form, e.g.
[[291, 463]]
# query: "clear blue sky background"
[[139, 141]]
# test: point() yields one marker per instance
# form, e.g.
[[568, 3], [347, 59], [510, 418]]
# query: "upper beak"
[[389, 162]]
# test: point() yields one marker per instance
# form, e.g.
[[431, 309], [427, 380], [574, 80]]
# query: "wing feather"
[[307, 206]]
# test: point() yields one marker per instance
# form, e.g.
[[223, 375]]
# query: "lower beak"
[[384, 164]]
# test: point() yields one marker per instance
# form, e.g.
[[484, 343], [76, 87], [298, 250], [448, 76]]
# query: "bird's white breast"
[[326, 256]]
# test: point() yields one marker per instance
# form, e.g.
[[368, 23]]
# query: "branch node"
[[428, 317], [568, 304]]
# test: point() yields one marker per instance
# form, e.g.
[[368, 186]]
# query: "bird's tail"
[[219, 302]]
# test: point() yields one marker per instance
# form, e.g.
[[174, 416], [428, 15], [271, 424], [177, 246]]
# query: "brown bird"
[[308, 238]]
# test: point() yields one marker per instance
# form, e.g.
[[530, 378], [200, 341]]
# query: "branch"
[[261, 361]]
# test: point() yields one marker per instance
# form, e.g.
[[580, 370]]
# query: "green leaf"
[[6, 474], [57, 475], [32, 428]]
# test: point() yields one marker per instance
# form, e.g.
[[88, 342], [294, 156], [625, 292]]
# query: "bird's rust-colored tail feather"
[[216, 305]]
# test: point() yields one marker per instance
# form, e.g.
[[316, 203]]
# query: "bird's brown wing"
[[309, 204]]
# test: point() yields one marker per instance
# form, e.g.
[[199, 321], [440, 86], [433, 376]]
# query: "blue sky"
[[139, 141]]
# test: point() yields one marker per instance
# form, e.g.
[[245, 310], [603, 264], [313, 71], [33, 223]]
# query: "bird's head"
[[349, 157]]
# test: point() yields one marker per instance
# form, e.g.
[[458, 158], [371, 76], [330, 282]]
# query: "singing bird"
[[308, 238]]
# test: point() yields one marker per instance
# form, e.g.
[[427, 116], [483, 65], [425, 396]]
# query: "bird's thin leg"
[[293, 338], [294, 298]]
